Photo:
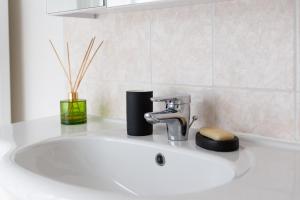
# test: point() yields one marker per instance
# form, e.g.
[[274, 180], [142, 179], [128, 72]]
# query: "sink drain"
[[160, 159]]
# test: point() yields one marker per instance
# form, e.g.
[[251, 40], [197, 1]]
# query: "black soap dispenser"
[[137, 104]]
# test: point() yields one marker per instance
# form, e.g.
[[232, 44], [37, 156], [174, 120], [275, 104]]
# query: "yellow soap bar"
[[216, 134]]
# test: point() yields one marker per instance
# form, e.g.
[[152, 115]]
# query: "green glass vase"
[[73, 111]]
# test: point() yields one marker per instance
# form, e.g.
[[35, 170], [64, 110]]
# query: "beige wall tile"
[[254, 43], [181, 45], [265, 113], [108, 98], [125, 53]]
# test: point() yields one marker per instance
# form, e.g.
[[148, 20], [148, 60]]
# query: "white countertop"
[[274, 173]]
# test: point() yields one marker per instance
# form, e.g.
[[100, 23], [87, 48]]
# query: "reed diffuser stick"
[[87, 66], [84, 61], [61, 63], [69, 67]]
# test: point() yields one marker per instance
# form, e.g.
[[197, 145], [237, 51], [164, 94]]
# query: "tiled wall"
[[237, 58]]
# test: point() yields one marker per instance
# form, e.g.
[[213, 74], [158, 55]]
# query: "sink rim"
[[69, 144], [150, 144], [187, 148]]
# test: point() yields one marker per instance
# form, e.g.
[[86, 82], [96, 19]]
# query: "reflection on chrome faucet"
[[176, 116]]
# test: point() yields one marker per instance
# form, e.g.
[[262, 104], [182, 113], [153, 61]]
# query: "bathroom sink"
[[125, 166]]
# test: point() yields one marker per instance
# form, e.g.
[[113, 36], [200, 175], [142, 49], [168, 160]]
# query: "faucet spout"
[[176, 117], [177, 125], [165, 116]]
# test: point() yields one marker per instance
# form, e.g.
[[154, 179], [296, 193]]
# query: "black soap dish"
[[220, 146]]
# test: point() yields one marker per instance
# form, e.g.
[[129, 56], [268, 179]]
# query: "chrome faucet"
[[176, 116]]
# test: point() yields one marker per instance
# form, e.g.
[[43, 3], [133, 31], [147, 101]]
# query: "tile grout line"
[[296, 64], [206, 86], [213, 51], [150, 49], [213, 42]]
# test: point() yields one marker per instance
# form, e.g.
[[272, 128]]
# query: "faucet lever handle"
[[194, 118], [174, 100], [163, 99]]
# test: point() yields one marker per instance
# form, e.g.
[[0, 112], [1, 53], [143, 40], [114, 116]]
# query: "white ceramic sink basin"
[[125, 166]]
